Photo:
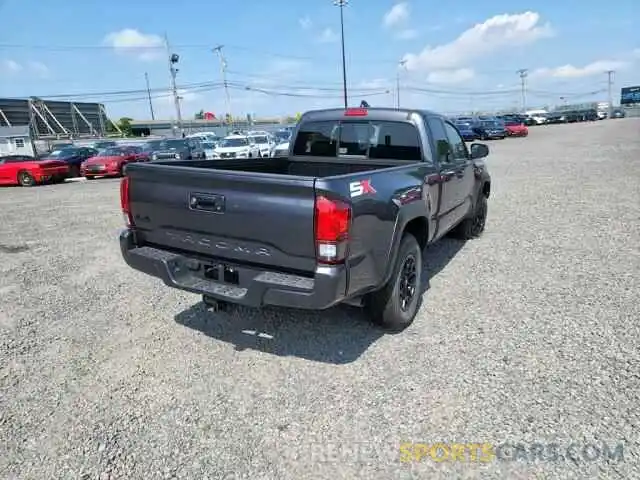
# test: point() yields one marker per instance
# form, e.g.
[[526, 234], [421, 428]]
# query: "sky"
[[284, 56]]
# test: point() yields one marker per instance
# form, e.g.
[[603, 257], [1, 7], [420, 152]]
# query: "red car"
[[28, 171], [111, 161], [515, 129]]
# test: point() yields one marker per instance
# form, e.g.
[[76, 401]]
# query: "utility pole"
[[173, 59], [146, 77], [223, 68], [523, 72], [402, 63], [610, 91], [342, 4]]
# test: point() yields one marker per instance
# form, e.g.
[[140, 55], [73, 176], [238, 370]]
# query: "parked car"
[[516, 128], [26, 171], [72, 156], [308, 231], [264, 143], [209, 149], [111, 162], [617, 113], [147, 148], [490, 129], [466, 130], [178, 149], [237, 146], [281, 150], [282, 136]]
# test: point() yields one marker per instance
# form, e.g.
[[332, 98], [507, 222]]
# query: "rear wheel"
[[395, 306], [473, 226], [25, 179]]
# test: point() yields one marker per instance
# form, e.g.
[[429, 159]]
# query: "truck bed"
[[284, 166]]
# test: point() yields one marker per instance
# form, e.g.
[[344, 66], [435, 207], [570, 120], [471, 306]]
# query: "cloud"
[[459, 75], [39, 69], [495, 33], [11, 66], [328, 36], [398, 15], [131, 41], [305, 23], [407, 34], [570, 71]]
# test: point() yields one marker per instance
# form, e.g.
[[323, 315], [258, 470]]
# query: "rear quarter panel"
[[379, 218]]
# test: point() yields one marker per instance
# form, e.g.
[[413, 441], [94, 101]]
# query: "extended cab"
[[344, 218]]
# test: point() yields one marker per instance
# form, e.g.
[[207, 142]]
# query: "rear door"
[[450, 198], [463, 168], [246, 217]]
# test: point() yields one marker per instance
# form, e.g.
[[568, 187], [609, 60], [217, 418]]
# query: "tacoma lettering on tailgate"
[[189, 239]]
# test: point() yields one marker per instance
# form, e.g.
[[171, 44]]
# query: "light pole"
[[342, 4], [402, 64]]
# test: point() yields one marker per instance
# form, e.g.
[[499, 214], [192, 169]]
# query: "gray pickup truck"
[[343, 218]]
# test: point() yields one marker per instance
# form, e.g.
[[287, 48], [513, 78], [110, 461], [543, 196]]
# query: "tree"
[[124, 124]]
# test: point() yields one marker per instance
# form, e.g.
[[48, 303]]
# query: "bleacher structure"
[[55, 119]]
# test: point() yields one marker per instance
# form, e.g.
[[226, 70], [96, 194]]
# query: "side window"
[[316, 139], [396, 141], [458, 147], [441, 141]]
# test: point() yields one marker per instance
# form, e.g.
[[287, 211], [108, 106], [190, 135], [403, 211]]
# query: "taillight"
[[332, 222], [125, 203]]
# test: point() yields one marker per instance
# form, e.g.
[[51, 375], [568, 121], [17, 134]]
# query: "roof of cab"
[[372, 113]]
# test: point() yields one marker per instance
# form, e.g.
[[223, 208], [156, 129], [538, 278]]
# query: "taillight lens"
[[124, 202], [332, 222]]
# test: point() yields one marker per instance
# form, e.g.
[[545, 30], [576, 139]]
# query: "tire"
[[89, 177], [25, 179], [385, 307], [473, 225]]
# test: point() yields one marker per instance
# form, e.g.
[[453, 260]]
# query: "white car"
[[281, 150], [236, 146], [264, 142]]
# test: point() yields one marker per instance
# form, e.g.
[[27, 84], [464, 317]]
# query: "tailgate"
[[246, 217]]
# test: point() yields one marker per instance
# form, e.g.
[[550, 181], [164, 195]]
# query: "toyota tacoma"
[[344, 218]]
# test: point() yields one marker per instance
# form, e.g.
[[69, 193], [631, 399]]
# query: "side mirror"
[[479, 150]]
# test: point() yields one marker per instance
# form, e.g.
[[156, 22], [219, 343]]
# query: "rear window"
[[376, 140]]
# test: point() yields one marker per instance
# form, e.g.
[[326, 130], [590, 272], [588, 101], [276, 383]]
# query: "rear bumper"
[[256, 287], [47, 174]]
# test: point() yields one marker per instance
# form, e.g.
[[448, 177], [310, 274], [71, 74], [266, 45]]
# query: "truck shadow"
[[337, 336]]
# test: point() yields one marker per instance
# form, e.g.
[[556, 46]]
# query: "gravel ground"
[[526, 335]]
